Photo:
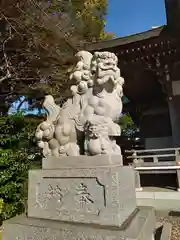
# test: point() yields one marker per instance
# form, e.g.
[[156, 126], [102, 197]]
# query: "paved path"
[[159, 198]]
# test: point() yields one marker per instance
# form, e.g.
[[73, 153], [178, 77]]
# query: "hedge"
[[18, 153]]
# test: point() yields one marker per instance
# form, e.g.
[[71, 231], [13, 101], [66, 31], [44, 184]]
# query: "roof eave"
[[125, 40]]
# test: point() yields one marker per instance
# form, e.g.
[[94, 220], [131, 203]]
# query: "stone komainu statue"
[[86, 123]]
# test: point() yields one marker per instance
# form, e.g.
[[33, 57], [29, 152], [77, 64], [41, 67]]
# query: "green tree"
[[39, 39]]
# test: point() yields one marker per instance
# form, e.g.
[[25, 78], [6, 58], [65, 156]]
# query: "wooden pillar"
[[178, 180], [174, 111]]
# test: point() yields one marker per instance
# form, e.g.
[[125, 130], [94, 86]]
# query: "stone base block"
[[82, 161], [102, 195], [141, 227]]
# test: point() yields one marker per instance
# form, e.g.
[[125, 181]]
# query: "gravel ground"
[[175, 225]]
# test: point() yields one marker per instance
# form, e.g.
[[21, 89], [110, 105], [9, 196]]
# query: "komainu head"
[[104, 68]]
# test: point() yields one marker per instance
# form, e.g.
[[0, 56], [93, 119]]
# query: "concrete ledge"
[[142, 194], [167, 195], [167, 201], [139, 189], [160, 204], [157, 168], [158, 195]]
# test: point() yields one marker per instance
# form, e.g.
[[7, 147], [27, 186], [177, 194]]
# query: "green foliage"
[[91, 13], [127, 125], [17, 146], [43, 37]]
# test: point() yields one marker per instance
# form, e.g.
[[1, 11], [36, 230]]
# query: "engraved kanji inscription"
[[83, 195], [55, 193]]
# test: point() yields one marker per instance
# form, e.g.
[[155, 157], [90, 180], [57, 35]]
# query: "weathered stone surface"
[[141, 227], [88, 121], [101, 195], [81, 161]]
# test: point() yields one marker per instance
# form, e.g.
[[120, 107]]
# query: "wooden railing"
[[141, 166], [138, 158]]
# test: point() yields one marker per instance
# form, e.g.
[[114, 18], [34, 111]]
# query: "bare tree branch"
[[7, 64], [11, 26], [21, 103], [67, 39], [46, 34]]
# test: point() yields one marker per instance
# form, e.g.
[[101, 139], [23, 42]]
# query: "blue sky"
[[24, 108], [126, 17]]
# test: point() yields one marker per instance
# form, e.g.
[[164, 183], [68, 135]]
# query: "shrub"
[[17, 156]]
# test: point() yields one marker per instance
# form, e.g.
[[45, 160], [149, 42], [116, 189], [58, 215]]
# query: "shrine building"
[[150, 64]]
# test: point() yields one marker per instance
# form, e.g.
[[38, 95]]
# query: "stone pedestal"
[[140, 227], [89, 200]]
